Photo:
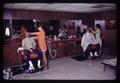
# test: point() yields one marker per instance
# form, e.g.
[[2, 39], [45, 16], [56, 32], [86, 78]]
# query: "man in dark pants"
[[89, 44], [30, 46], [92, 51]]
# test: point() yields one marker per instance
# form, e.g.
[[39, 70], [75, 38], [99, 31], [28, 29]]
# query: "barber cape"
[[28, 43], [88, 38]]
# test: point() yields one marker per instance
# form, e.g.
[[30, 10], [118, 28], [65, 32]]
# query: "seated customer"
[[30, 46], [89, 44], [62, 33]]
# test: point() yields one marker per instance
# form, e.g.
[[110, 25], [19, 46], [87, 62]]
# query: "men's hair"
[[39, 25], [24, 26], [88, 29], [27, 34], [64, 26], [98, 26]]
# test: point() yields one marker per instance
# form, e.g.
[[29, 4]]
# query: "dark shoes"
[[32, 71], [46, 68], [93, 58], [38, 69], [35, 70]]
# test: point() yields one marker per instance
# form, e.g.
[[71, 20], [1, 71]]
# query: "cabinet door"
[[10, 56]]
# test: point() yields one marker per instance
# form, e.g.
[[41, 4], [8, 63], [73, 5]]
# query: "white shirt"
[[28, 43], [88, 38], [62, 34]]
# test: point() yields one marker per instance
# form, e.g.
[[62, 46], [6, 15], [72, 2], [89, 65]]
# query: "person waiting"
[[29, 45], [62, 33], [90, 45]]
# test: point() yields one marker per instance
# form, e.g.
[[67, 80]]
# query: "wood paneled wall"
[[87, 18], [107, 34]]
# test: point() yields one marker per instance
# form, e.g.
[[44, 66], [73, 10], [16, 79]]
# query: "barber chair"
[[93, 47], [22, 57]]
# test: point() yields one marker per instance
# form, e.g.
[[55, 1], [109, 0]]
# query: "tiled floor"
[[69, 69]]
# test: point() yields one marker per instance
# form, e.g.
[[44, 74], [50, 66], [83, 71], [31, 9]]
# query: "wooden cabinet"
[[10, 57]]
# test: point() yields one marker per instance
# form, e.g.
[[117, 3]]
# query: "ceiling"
[[63, 7]]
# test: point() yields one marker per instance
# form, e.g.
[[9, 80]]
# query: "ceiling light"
[[99, 6], [34, 20]]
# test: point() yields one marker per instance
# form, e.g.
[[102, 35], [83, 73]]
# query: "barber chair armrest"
[[20, 49]]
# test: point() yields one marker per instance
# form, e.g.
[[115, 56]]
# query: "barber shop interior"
[[59, 41]]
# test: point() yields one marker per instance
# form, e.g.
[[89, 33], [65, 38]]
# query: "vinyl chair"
[[94, 46], [88, 50], [22, 57]]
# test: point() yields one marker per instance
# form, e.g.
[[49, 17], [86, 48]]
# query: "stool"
[[109, 62]]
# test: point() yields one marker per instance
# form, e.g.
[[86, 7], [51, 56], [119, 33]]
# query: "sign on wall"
[[71, 25], [110, 24]]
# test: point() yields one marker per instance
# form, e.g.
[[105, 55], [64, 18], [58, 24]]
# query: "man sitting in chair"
[[90, 45], [29, 45]]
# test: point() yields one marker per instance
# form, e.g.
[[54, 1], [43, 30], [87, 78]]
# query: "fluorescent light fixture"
[[34, 20]]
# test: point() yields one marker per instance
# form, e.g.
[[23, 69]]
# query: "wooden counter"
[[65, 47]]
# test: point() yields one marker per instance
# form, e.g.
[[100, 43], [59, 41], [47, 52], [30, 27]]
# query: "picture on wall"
[[110, 24], [71, 25]]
